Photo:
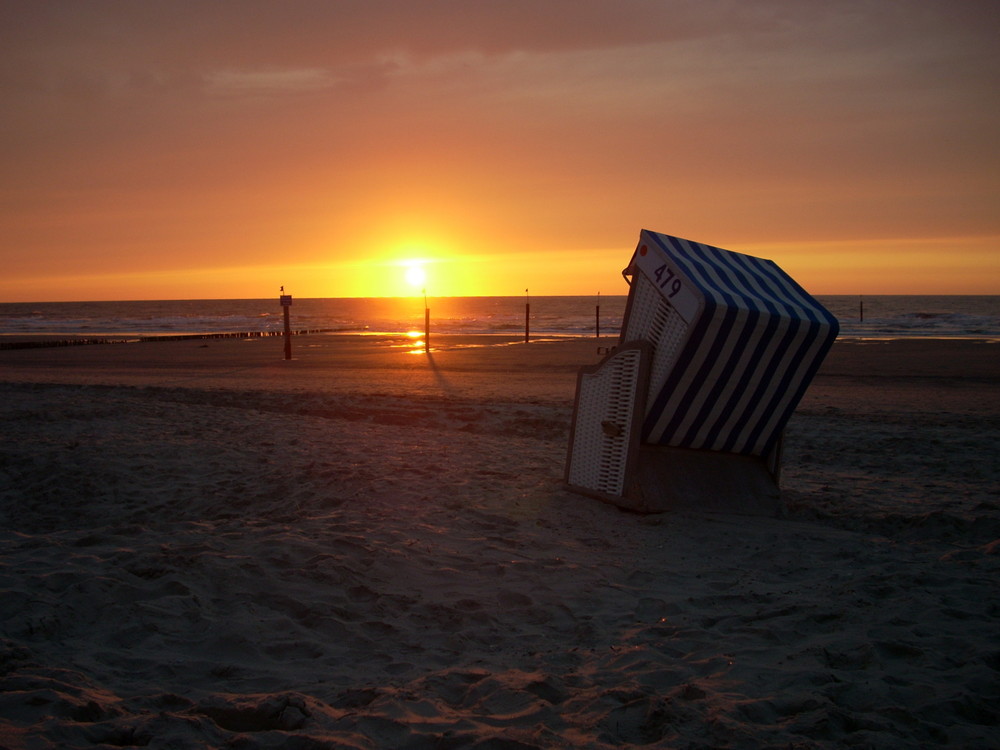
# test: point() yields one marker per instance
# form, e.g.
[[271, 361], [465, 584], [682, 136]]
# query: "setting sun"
[[415, 275]]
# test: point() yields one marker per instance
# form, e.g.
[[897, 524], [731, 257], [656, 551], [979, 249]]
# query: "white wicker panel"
[[603, 424], [666, 348], [644, 310], [653, 319]]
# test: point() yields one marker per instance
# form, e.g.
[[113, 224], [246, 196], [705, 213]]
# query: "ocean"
[[877, 316]]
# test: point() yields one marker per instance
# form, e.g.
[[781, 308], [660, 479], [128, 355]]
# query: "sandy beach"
[[205, 545]]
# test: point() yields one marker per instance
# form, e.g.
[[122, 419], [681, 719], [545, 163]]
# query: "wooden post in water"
[[597, 327], [527, 316], [861, 309], [286, 303]]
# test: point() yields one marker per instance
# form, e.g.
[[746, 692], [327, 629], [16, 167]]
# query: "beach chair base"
[[680, 479], [665, 479]]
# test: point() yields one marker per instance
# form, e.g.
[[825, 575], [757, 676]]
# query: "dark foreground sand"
[[202, 545]]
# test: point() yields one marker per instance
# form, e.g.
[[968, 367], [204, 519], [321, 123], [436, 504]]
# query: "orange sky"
[[192, 150]]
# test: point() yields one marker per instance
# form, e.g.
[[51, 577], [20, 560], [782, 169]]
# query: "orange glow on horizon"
[[939, 266]]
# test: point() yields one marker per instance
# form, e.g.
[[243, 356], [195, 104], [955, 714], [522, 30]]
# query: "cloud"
[[289, 81]]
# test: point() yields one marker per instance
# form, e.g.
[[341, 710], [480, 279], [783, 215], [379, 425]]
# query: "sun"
[[415, 275]]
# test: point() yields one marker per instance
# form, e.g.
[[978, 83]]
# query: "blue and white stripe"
[[750, 354]]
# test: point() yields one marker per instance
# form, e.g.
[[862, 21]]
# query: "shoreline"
[[513, 333]]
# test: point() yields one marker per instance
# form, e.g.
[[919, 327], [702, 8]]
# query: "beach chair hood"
[[736, 341]]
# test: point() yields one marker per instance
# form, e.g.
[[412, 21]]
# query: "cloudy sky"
[[191, 149]]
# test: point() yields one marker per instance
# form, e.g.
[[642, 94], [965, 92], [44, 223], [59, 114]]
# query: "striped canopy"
[[735, 344]]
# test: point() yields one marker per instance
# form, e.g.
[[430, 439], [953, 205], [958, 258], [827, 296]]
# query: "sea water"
[[877, 316]]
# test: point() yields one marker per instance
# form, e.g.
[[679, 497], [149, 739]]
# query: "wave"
[[889, 316]]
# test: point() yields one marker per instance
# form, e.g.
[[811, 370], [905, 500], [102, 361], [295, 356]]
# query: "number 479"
[[668, 280]]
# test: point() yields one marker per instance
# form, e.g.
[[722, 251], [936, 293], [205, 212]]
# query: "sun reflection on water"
[[417, 343]]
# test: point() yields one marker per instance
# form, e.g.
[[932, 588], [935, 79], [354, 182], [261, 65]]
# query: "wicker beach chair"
[[716, 350]]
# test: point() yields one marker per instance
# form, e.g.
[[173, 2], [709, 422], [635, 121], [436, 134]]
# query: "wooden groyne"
[[82, 341]]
